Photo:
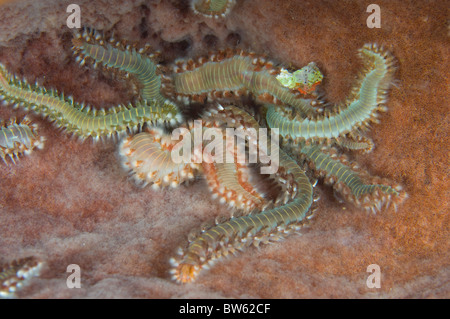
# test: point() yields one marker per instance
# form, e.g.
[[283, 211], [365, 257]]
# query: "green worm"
[[357, 142], [81, 120], [355, 189], [234, 74], [91, 44], [18, 138], [362, 106]]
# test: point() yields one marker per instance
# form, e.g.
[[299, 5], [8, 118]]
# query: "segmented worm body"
[[226, 75], [239, 233], [229, 182], [234, 183], [356, 142], [148, 156], [79, 119], [16, 274], [19, 138], [355, 186], [91, 44], [360, 109]]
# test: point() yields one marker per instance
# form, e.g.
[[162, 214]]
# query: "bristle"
[[16, 274]]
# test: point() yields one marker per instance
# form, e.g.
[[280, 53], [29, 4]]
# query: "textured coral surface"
[[71, 203]]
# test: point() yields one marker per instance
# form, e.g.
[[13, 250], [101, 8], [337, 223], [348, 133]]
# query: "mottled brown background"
[[71, 203]]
